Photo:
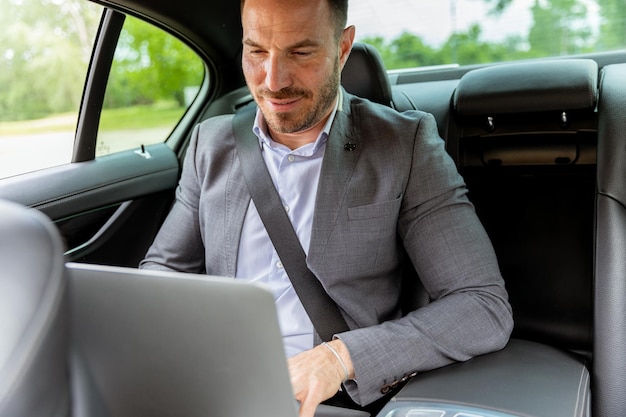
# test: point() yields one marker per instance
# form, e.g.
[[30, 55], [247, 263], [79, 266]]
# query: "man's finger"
[[308, 407]]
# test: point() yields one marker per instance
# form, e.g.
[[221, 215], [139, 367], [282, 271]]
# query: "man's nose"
[[277, 73]]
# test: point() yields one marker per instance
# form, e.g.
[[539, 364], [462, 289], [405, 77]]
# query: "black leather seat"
[[522, 136], [364, 75], [33, 344], [609, 352], [526, 152]]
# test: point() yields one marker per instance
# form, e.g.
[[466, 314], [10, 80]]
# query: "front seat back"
[[364, 75], [33, 324]]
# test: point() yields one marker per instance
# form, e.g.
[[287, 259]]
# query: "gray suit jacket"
[[396, 193]]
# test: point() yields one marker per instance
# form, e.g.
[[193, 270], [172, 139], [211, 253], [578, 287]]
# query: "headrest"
[[566, 84], [364, 75]]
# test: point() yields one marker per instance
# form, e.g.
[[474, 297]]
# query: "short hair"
[[339, 10]]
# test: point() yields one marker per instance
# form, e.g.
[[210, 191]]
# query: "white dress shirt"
[[295, 174]]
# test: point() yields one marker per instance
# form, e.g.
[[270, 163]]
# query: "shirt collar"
[[260, 129]]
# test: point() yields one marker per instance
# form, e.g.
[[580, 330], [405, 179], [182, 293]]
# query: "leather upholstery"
[[532, 180], [33, 322], [502, 381], [528, 87], [364, 75], [609, 371]]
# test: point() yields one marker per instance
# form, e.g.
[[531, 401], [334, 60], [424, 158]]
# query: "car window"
[[418, 34], [153, 80], [45, 48], [45, 51]]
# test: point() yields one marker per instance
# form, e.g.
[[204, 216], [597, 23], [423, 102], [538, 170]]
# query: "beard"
[[301, 120]]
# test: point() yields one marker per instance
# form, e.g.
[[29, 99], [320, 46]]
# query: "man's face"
[[292, 61]]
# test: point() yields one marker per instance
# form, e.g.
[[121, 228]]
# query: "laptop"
[[163, 344]]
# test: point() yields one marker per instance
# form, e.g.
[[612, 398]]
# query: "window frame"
[[96, 83], [97, 80]]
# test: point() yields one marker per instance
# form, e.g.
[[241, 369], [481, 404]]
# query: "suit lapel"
[[342, 153]]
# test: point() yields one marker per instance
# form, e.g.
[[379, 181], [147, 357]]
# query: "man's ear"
[[345, 44]]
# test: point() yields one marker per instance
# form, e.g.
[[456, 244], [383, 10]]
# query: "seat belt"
[[322, 310]]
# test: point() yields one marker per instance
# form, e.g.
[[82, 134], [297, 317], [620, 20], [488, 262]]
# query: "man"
[[356, 211]]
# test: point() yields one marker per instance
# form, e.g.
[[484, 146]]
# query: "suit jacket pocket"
[[369, 238], [376, 210]]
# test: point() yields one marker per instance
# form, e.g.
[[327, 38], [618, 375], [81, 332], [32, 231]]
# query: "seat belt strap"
[[322, 310]]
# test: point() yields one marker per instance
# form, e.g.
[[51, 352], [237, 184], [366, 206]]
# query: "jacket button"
[[385, 389]]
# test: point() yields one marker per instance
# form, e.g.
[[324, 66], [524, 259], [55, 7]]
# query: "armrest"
[[523, 379]]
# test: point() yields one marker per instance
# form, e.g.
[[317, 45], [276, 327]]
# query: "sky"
[[434, 20]]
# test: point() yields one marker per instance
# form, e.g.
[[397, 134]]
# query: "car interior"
[[540, 144]]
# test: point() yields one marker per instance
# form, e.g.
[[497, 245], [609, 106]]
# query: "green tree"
[[405, 51], [560, 27], [150, 66], [41, 40], [464, 48], [467, 48], [613, 25], [410, 50]]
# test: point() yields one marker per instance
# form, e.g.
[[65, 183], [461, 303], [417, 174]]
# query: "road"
[[26, 153]]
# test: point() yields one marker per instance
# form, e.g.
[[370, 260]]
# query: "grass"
[[140, 117], [54, 123], [137, 117]]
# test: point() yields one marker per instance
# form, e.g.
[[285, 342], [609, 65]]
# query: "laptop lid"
[[171, 344], [163, 344]]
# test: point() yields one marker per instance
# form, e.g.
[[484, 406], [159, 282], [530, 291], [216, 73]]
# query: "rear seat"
[[525, 142], [609, 352], [524, 136]]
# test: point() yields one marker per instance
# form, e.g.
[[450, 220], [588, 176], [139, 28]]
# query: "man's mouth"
[[282, 104], [284, 100]]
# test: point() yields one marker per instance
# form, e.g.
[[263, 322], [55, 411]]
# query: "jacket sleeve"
[[178, 244], [468, 313]]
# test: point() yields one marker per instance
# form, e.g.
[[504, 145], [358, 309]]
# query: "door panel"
[[109, 208], [123, 196]]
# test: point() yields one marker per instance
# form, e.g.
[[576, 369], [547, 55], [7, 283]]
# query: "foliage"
[[613, 27], [467, 48], [463, 48], [405, 51], [151, 66], [565, 21], [39, 40], [560, 27], [45, 47]]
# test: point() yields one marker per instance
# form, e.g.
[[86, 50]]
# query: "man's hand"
[[317, 374]]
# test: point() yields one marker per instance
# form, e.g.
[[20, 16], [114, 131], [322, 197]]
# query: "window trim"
[[95, 85]]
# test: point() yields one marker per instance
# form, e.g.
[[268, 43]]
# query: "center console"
[[525, 379]]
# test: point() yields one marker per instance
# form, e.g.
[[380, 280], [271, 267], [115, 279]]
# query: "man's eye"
[[256, 52], [302, 53]]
